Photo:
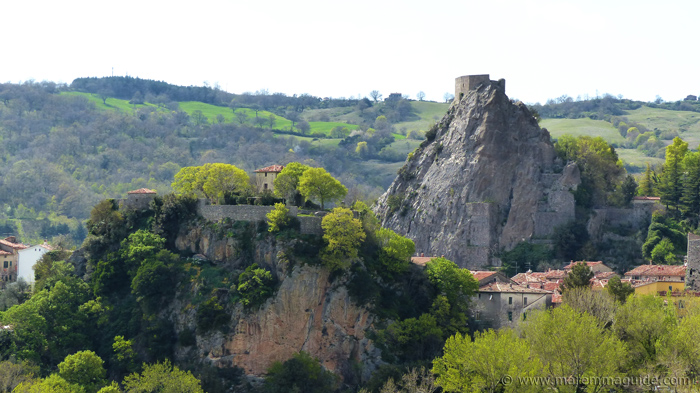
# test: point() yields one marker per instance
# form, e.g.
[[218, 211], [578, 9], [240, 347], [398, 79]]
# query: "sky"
[[337, 48]]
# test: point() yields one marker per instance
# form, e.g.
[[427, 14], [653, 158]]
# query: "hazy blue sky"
[[544, 49]]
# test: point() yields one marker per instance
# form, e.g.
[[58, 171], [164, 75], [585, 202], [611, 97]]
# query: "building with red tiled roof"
[[485, 277], [657, 273], [139, 199], [595, 266], [500, 304], [9, 255], [265, 177], [142, 191], [28, 257], [421, 260]]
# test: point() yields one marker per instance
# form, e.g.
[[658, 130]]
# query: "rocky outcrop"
[[486, 179], [308, 313]]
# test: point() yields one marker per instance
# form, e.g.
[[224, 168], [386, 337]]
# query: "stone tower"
[[468, 82], [692, 271]]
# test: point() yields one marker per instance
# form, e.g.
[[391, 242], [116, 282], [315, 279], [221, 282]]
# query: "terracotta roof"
[[3, 252], [588, 263], [510, 288], [556, 298], [555, 275], [646, 198], [142, 191], [552, 286], [604, 275], [421, 261], [657, 271], [8, 243], [482, 274], [595, 283], [530, 278], [271, 168]]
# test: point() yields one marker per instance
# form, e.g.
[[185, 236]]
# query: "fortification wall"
[[468, 82], [308, 225]]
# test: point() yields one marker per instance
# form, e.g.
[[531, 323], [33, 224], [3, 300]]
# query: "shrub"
[[211, 315], [255, 285], [278, 218]]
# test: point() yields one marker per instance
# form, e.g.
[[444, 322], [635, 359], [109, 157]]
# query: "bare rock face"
[[486, 179]]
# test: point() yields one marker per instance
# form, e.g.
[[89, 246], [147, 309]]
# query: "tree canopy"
[[317, 184], [212, 180]]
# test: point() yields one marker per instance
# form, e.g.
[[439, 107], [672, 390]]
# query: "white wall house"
[[28, 258]]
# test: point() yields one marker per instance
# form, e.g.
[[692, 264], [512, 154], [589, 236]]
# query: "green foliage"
[[671, 186], [485, 363], [155, 281], [212, 180], [51, 384], [255, 285], [569, 240], [396, 251], [458, 285], [318, 185], [411, 340], [343, 235], [525, 255], [278, 218], [601, 170], [301, 373], [211, 315], [579, 277], [287, 182], [573, 344], [51, 267], [171, 212], [644, 323], [648, 183], [663, 254], [619, 290], [84, 369], [162, 377], [138, 247], [664, 227], [124, 357]]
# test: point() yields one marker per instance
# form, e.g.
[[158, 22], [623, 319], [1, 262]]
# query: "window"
[[510, 316], [5, 265], [525, 301], [510, 300], [479, 296], [477, 315], [670, 288]]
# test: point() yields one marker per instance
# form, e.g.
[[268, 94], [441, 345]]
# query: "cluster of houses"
[[18, 260], [503, 302]]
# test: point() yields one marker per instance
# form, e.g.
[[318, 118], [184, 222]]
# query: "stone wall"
[[692, 273], [468, 82], [309, 225]]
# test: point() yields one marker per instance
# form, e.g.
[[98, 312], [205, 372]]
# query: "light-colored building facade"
[[28, 258], [498, 305], [9, 255], [265, 177]]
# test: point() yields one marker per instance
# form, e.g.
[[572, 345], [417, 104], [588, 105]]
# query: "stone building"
[[265, 177], [498, 304], [9, 254], [692, 273], [470, 82], [139, 199]]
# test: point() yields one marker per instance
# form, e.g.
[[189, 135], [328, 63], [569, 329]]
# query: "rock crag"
[[486, 178]]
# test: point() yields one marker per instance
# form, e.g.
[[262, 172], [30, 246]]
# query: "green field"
[[429, 113], [585, 126], [687, 124], [111, 103]]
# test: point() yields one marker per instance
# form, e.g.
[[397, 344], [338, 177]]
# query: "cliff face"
[[307, 313], [487, 181]]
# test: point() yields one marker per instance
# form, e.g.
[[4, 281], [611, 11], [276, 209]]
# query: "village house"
[[9, 254], [485, 277], [28, 257], [265, 177], [657, 279], [498, 304], [595, 266], [139, 199]]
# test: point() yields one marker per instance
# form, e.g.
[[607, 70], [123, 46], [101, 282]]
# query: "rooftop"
[[646, 198], [657, 271], [510, 288], [421, 261], [142, 191], [10, 242], [588, 263], [481, 274], [271, 169]]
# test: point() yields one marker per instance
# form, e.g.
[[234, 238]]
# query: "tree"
[[287, 182], [162, 377], [572, 344], [301, 373], [303, 126], [51, 384], [317, 184], [278, 218], [255, 285], [671, 186], [414, 381], [496, 361], [339, 132], [662, 253], [376, 95], [14, 373], [619, 290], [85, 369], [579, 277], [420, 96], [448, 97], [212, 180], [396, 251], [124, 357], [362, 150], [241, 116], [271, 120], [343, 235], [647, 184], [690, 196], [599, 304]]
